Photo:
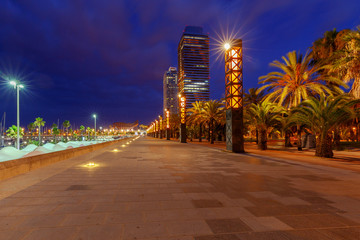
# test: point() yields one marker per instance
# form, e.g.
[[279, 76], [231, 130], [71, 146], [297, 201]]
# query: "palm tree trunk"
[[287, 139], [324, 146], [337, 139], [262, 140], [299, 147], [211, 132], [200, 132], [257, 136]]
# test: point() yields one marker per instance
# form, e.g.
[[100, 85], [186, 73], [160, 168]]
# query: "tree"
[[349, 61], [253, 96], [12, 132], [322, 116], [31, 127], [88, 129], [39, 123], [212, 113], [55, 132], [265, 115], [66, 125], [296, 81], [196, 117], [82, 128]]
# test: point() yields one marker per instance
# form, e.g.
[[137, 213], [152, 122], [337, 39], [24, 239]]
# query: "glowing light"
[[182, 109], [227, 46]]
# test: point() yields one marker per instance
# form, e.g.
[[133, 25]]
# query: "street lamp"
[[167, 114], [17, 86], [182, 109], [234, 96], [95, 124], [161, 126]]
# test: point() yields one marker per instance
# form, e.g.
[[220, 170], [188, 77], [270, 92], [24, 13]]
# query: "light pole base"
[[235, 130]]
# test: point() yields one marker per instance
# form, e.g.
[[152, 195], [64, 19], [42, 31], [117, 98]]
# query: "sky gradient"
[[108, 57]]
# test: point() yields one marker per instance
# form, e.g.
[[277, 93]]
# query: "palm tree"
[[12, 133], [82, 128], [88, 129], [39, 123], [265, 115], [322, 116], [196, 117], [296, 81], [253, 96], [55, 132], [66, 125], [212, 113], [349, 61], [31, 127]]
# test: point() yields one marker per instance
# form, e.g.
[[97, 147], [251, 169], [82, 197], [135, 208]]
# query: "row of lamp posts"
[[233, 103]]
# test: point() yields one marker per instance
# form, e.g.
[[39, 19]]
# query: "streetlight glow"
[[227, 46], [17, 86]]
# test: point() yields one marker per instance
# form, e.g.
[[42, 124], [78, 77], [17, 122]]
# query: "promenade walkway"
[[155, 189]]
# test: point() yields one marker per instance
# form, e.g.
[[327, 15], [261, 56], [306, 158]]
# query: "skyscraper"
[[193, 65], [170, 86]]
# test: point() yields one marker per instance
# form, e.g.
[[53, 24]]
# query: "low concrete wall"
[[15, 167]]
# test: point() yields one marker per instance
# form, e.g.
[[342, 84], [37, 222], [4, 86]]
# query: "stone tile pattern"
[[156, 189]]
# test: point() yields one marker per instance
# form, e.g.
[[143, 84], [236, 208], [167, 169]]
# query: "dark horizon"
[[109, 58]]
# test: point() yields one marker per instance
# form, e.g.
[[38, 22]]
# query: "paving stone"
[[227, 225], [59, 233], [218, 237], [189, 227], [261, 224], [113, 232], [206, 203], [145, 230], [84, 219]]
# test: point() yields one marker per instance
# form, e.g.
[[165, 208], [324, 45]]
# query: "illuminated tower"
[[170, 86], [193, 65]]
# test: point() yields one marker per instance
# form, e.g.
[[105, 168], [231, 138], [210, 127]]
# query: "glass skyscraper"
[[193, 65], [170, 86]]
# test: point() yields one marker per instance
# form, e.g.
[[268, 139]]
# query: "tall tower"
[[193, 65], [170, 86]]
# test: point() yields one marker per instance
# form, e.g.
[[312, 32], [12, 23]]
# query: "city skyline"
[[108, 58]]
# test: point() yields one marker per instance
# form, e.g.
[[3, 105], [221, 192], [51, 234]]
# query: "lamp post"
[[182, 118], [161, 126], [234, 96], [167, 115], [17, 86], [156, 128], [95, 124]]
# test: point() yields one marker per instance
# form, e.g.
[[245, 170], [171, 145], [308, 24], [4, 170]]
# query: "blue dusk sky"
[[79, 57]]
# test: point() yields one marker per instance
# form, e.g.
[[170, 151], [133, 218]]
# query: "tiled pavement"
[[156, 189]]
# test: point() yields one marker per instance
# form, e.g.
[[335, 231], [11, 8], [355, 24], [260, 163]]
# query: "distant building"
[[193, 65], [124, 126], [170, 85]]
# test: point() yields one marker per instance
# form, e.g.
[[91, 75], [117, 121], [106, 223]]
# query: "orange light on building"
[[182, 109], [233, 75], [167, 112]]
